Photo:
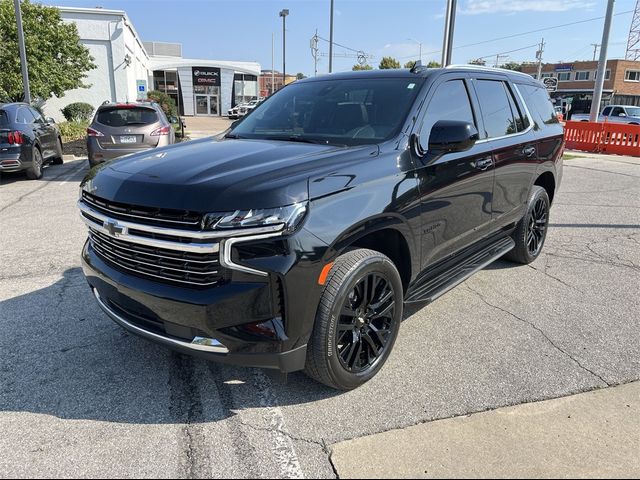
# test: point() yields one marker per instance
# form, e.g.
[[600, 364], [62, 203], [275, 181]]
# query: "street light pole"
[[449, 27], [331, 39], [419, 43], [23, 53], [273, 73], [283, 14], [602, 64]]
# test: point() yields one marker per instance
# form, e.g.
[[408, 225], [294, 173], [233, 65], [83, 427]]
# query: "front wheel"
[[531, 231], [357, 321], [58, 158]]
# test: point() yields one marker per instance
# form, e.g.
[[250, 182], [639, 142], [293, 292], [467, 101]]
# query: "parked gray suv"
[[122, 128]]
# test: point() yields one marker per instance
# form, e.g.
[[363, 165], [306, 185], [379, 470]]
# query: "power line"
[[506, 37], [510, 51]]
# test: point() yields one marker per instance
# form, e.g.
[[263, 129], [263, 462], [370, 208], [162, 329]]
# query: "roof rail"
[[488, 69]]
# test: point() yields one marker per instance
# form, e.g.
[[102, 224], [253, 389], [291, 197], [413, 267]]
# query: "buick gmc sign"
[[206, 76]]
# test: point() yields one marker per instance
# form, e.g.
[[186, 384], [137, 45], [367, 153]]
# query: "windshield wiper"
[[233, 135], [297, 138]]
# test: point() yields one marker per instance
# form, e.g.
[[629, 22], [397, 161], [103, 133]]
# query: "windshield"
[[633, 111], [340, 112]]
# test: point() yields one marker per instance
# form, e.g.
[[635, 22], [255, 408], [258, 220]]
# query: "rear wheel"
[[57, 159], [531, 231], [357, 321], [35, 171]]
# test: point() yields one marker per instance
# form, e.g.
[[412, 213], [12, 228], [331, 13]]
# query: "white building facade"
[[127, 68]]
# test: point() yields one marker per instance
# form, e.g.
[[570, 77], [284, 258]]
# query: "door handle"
[[483, 163], [529, 151]]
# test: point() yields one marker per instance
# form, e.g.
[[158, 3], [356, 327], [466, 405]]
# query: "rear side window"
[[450, 102], [126, 116], [539, 103], [24, 116], [499, 111], [4, 119]]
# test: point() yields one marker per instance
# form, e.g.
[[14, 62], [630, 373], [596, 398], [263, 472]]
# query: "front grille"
[[172, 266], [161, 217]]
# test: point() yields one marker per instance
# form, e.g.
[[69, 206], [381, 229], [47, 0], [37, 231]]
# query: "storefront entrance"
[[207, 105]]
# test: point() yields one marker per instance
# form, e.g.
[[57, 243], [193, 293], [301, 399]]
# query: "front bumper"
[[199, 322]]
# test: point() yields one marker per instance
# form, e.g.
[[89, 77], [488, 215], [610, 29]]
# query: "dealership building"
[[127, 68]]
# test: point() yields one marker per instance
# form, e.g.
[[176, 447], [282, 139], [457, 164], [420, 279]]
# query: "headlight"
[[288, 218]]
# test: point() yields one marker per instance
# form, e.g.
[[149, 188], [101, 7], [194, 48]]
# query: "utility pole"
[[539, 58], [602, 64], [283, 14], [331, 39], [419, 43], [595, 50], [449, 27], [23, 53], [273, 73]]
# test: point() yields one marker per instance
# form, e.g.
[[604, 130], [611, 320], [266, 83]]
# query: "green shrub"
[[72, 131], [78, 112], [165, 101]]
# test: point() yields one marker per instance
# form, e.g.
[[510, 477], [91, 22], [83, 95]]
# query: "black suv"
[[293, 240], [27, 140]]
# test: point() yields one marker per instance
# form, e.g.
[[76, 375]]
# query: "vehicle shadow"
[[61, 356]]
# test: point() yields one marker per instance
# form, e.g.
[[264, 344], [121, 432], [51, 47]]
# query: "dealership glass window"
[[632, 76], [547, 75], [245, 88], [582, 76], [564, 76]]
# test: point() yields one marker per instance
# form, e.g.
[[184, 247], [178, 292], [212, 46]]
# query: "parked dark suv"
[[293, 241], [27, 140]]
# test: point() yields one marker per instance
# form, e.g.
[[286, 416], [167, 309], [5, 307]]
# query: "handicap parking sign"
[[141, 89]]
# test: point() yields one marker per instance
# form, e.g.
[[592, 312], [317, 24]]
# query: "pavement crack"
[[546, 273], [186, 408], [539, 330]]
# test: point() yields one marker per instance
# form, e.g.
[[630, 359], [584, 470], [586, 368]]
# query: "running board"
[[430, 287]]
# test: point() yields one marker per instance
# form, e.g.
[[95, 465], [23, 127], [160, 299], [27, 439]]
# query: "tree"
[[57, 60], [410, 64], [478, 61], [165, 101], [434, 64], [389, 62], [300, 76], [358, 67], [512, 66]]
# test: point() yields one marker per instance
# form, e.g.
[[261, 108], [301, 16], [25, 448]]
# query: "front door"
[[456, 188], [207, 105]]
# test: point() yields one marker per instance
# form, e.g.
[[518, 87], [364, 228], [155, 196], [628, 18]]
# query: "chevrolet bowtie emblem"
[[113, 228]]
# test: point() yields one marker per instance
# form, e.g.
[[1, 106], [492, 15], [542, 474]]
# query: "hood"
[[210, 175]]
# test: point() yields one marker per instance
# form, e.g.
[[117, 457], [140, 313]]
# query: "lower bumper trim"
[[199, 344]]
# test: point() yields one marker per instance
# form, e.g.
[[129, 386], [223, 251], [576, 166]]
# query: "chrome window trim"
[[511, 135], [198, 343]]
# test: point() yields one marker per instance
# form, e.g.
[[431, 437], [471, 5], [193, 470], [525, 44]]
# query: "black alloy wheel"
[[35, 171], [365, 324], [531, 232], [537, 227], [357, 320]]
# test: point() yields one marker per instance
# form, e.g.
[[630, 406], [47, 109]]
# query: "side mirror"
[[173, 119], [50, 120], [452, 136], [622, 114]]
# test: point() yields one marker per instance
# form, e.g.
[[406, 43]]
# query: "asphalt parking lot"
[[79, 397]]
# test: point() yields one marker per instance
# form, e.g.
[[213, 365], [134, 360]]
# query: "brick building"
[[265, 82], [576, 82]]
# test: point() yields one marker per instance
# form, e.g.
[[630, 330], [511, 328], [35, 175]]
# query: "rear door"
[[456, 188], [509, 136], [48, 134]]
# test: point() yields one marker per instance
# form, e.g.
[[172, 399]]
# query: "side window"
[[24, 115], [496, 106], [539, 103], [36, 115], [450, 102], [606, 111], [522, 122], [617, 111]]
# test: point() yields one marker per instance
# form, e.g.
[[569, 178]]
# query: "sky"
[[242, 30]]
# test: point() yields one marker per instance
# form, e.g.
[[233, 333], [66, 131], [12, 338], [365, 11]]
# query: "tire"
[[35, 171], [348, 349], [531, 231], [57, 159]]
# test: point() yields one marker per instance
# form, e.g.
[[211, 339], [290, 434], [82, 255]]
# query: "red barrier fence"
[[606, 137]]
